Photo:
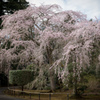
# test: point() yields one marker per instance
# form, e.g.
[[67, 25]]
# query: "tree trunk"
[[75, 92], [98, 71], [51, 72], [52, 80]]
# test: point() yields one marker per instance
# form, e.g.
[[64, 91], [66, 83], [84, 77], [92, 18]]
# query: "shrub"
[[20, 77]]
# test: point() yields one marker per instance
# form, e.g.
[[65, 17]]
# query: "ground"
[[5, 97]]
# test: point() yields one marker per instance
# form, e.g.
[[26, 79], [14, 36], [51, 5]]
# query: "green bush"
[[20, 77]]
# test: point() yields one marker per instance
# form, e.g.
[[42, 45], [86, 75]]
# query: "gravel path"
[[5, 97]]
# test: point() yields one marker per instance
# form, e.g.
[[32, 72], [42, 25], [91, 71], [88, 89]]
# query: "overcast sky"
[[89, 7]]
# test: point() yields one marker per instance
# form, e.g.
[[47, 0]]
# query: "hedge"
[[20, 77]]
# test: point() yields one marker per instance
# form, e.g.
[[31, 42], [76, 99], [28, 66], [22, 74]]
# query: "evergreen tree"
[[14, 5], [1, 10], [10, 6]]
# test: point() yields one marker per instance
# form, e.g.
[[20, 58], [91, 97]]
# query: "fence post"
[[14, 93], [19, 94], [67, 96], [30, 95], [50, 96], [23, 95], [39, 96]]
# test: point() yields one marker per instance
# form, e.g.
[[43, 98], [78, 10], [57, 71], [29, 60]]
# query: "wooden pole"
[[67, 96], [39, 96], [50, 96], [30, 95]]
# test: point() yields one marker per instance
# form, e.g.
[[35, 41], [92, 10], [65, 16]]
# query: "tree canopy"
[[46, 35]]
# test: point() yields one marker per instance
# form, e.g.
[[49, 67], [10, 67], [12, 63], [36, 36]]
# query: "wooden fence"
[[12, 91]]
